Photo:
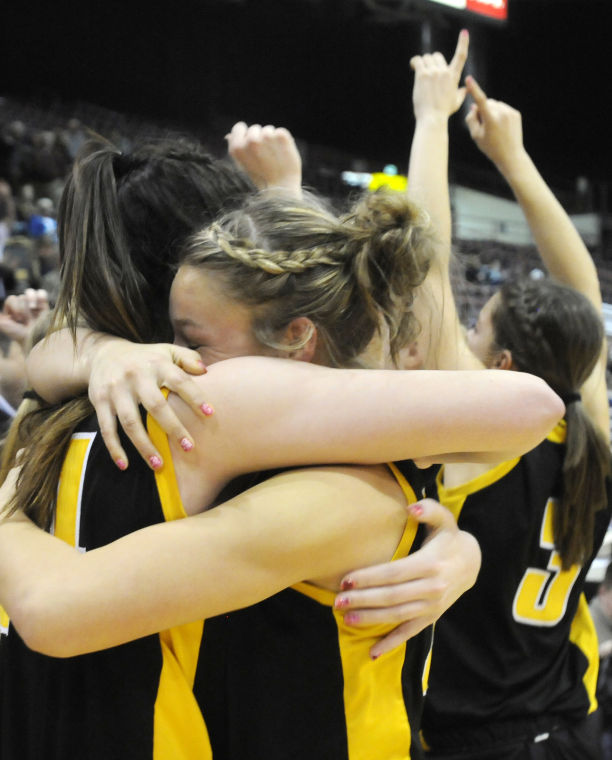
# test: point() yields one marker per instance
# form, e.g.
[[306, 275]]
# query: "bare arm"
[[288, 413], [64, 602], [118, 376], [436, 96], [496, 128]]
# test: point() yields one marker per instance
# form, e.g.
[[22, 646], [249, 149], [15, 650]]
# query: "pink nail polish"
[[374, 656], [207, 410], [347, 584], [121, 464], [351, 618], [155, 462], [341, 602], [416, 509], [186, 444]]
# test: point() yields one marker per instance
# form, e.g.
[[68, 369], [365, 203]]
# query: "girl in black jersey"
[[222, 447], [514, 664]]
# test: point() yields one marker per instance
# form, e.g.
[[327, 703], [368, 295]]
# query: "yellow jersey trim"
[[373, 693], [179, 730]]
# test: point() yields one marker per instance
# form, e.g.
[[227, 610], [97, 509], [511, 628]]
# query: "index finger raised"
[[461, 52], [476, 91]]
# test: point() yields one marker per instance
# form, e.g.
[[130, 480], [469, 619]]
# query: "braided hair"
[[554, 332], [288, 259]]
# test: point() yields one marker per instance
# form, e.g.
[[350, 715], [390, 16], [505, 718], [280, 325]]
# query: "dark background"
[[336, 72]]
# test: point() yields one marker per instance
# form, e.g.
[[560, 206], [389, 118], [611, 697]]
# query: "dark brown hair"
[[553, 331], [122, 220]]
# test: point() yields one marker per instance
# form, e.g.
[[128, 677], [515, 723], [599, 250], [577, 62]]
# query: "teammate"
[[267, 542], [514, 665]]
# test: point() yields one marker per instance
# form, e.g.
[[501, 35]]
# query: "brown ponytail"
[[553, 331]]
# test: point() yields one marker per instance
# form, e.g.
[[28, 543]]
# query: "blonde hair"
[[288, 258]]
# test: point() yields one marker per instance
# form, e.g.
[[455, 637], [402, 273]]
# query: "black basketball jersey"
[[132, 701], [520, 644], [286, 678]]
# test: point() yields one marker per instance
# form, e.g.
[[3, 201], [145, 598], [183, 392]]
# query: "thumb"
[[188, 359], [431, 513]]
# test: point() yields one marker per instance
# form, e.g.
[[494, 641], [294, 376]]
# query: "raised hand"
[[495, 127], [268, 155], [436, 86], [20, 312]]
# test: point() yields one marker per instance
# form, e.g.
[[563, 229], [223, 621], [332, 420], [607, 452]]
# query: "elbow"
[[551, 406], [542, 409], [40, 625]]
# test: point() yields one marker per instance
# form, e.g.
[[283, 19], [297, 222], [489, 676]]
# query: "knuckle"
[[131, 424]]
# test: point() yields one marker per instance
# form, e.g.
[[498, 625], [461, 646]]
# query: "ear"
[[410, 357], [297, 330], [503, 360]]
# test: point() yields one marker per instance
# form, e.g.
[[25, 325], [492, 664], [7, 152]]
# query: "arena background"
[[334, 71]]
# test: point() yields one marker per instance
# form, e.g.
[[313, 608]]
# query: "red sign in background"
[[492, 8]]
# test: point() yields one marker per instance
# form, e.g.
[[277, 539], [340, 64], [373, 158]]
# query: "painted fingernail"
[[121, 464], [155, 462], [201, 364], [351, 618], [416, 510], [341, 602], [347, 584], [186, 444], [207, 410], [374, 656]]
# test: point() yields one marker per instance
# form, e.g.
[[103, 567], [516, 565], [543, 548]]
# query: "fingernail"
[[341, 601], [121, 464], [347, 584], [186, 444], [351, 618], [464, 32], [201, 364], [374, 656], [416, 510], [155, 462], [207, 410]]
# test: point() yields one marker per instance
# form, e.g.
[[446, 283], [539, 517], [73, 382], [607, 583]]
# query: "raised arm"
[[436, 96], [496, 128]]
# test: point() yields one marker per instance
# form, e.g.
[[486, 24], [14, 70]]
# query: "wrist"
[[432, 118], [514, 166]]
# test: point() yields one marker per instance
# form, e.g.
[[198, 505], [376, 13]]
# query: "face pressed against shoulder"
[[207, 320]]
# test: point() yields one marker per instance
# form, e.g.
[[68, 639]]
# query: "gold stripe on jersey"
[[454, 497], [558, 433], [4, 622], [377, 724], [584, 636], [70, 489], [179, 729]]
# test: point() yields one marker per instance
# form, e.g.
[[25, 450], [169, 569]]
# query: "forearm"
[[64, 602], [563, 252], [58, 368], [296, 413], [428, 174]]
